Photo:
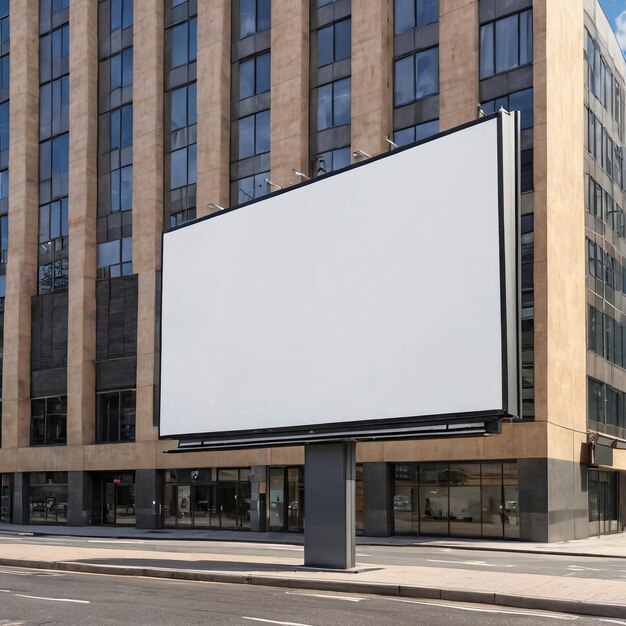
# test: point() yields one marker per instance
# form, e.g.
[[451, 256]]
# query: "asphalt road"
[[424, 556], [35, 597]]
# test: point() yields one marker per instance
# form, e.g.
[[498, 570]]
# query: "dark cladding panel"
[[116, 374], [49, 331], [48, 382], [116, 318]]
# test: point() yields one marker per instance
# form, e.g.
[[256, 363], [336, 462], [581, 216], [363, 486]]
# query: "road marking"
[[324, 597], [13, 573], [294, 548], [479, 563], [115, 541], [5, 591], [611, 621], [480, 610], [271, 621], [579, 568], [21, 595]]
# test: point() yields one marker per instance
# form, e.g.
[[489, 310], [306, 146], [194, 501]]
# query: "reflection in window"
[[506, 43], [251, 187], [254, 134], [416, 76], [121, 15], [183, 167], [254, 17], [184, 42], [331, 161], [409, 14], [517, 101], [406, 136], [114, 258], [254, 76], [334, 42], [333, 104]]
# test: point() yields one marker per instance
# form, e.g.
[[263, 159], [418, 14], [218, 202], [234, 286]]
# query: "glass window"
[[331, 161], [506, 43], [333, 104], [254, 134], [184, 43], [48, 421], [252, 187], [595, 411], [409, 135], [409, 14], [334, 42], [116, 416], [254, 17], [416, 76], [517, 101], [254, 76]]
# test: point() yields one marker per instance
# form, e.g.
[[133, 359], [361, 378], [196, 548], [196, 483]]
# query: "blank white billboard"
[[382, 293]]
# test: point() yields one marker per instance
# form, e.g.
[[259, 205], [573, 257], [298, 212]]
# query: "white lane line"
[[478, 563], [579, 568], [271, 621], [611, 621], [21, 595], [115, 541], [481, 610], [324, 597], [5, 591], [291, 548], [13, 573]]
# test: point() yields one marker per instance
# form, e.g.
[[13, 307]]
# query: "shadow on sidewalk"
[[202, 565]]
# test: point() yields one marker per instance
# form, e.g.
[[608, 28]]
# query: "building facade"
[[153, 113]]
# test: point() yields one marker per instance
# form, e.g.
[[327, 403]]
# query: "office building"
[[119, 121]]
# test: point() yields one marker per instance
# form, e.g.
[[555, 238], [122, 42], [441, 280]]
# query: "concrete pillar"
[[24, 220], [372, 52], [21, 493], [149, 498], [214, 28], [458, 62], [329, 493], [147, 203], [377, 499], [258, 493], [81, 346], [79, 498], [289, 91]]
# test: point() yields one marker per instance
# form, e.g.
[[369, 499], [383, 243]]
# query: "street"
[[219, 555], [33, 597]]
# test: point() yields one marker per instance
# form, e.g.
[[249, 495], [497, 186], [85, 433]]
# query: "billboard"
[[380, 300]]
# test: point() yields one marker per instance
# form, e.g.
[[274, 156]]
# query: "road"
[[509, 562], [35, 597]]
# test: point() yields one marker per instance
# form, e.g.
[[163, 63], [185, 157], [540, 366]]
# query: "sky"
[[616, 12]]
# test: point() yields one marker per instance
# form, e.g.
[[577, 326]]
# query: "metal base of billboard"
[[329, 498]]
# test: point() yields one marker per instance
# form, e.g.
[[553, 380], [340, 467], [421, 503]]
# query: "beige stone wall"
[[214, 29], [458, 62], [24, 216], [372, 95], [559, 268], [81, 347], [289, 91]]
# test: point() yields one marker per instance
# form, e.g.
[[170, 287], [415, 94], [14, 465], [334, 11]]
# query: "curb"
[[382, 589]]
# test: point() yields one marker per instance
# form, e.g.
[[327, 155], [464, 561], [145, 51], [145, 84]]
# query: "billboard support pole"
[[329, 497]]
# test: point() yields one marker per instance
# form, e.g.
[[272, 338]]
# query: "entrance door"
[[118, 501]]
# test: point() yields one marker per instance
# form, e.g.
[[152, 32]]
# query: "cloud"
[[620, 30]]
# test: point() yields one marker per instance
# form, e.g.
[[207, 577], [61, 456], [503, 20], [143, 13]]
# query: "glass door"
[[277, 498]]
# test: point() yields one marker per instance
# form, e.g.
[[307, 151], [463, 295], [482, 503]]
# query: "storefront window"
[[193, 499], [471, 499], [603, 502], [48, 498], [358, 514]]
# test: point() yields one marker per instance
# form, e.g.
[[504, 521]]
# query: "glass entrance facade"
[[462, 499], [114, 499], [603, 502], [48, 498], [286, 498], [193, 499]]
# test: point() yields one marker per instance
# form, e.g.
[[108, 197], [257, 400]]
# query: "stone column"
[[79, 496], [214, 29], [147, 206], [81, 345], [372, 97], [458, 62], [289, 91], [21, 489], [24, 220], [148, 498]]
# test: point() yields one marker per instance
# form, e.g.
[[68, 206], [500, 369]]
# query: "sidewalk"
[[605, 598]]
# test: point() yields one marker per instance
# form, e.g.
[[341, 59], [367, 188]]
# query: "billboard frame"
[[437, 425]]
